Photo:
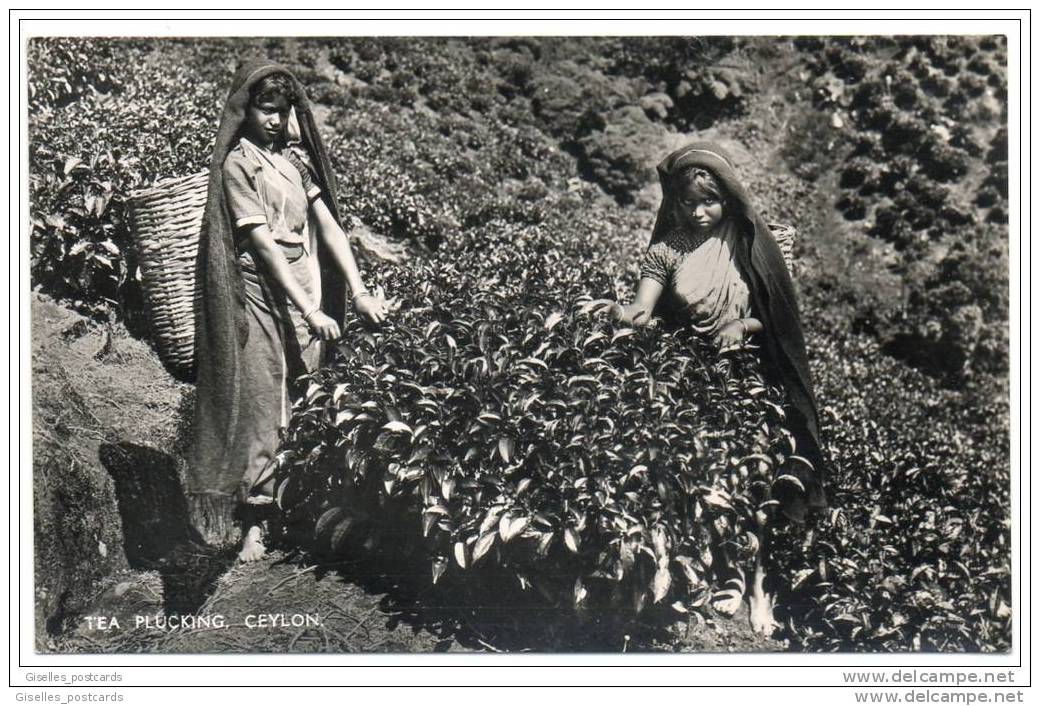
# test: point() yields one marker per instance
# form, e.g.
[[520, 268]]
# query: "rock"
[[74, 514], [373, 246]]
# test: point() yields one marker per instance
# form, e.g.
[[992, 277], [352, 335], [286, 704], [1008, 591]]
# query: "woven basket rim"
[[163, 185]]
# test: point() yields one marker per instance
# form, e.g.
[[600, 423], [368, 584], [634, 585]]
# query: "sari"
[[234, 336], [772, 301]]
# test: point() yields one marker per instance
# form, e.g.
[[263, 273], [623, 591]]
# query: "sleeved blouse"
[[701, 277], [272, 188]]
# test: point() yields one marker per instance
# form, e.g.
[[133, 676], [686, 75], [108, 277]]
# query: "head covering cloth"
[[772, 297], [221, 326]]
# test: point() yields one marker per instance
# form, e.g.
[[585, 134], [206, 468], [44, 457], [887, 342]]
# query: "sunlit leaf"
[[572, 540], [483, 545]]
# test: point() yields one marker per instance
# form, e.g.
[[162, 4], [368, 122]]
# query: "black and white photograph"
[[520, 344]]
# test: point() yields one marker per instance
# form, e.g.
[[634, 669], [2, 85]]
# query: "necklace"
[[685, 241]]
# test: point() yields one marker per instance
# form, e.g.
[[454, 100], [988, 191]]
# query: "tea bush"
[[495, 427], [508, 428], [915, 554]]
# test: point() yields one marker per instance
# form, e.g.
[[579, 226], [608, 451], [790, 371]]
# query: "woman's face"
[[266, 122], [698, 210]]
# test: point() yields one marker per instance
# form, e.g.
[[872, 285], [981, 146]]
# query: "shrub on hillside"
[[998, 147], [915, 555], [847, 64], [943, 162], [852, 207], [621, 156], [928, 193], [856, 172], [704, 96], [572, 99], [963, 136], [962, 306], [938, 85], [905, 133], [77, 189]]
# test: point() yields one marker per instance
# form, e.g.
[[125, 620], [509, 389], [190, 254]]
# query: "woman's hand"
[[634, 314], [732, 335], [606, 306], [640, 311], [371, 307], [323, 326]]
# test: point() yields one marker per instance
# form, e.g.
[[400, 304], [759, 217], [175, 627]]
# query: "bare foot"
[[760, 605], [253, 548], [728, 600]]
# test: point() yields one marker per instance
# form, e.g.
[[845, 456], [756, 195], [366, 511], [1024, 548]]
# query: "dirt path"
[[287, 604], [270, 606]]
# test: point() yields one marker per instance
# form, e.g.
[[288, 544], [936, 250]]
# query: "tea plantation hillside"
[[495, 432]]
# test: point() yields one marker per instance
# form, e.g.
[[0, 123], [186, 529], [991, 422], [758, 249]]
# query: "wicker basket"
[[785, 236], [165, 221]]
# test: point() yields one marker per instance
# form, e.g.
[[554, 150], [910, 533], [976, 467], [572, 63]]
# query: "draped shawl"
[[221, 326], [773, 301]]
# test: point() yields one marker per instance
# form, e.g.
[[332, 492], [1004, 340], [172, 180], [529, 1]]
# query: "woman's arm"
[[271, 255], [752, 325], [366, 304], [336, 241], [637, 313], [642, 307]]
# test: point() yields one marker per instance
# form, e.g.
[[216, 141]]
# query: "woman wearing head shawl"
[[274, 271], [713, 264]]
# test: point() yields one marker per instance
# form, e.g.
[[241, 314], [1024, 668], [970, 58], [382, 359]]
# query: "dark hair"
[[702, 180], [270, 87]]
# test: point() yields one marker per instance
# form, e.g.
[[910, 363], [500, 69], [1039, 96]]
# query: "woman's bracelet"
[[362, 293], [312, 312]]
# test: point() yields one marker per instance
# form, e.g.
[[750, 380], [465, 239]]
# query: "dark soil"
[[352, 610], [94, 388]]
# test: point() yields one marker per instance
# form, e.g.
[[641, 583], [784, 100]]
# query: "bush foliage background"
[[522, 170]]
